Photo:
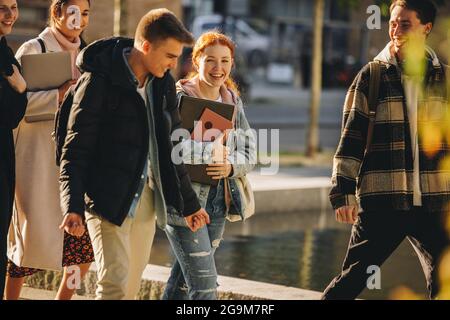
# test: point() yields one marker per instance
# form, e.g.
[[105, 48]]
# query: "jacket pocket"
[[174, 218]]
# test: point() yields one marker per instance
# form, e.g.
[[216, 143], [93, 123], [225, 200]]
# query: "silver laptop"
[[46, 71]]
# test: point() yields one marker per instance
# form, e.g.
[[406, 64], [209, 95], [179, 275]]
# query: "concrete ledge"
[[292, 195], [153, 283], [293, 200]]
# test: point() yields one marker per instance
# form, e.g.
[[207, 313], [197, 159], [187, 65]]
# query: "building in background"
[[280, 32], [348, 43], [268, 33], [34, 15]]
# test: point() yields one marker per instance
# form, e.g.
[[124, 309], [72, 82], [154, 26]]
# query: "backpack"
[[62, 114], [62, 117]]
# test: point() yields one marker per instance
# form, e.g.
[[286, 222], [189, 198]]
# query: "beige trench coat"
[[34, 238]]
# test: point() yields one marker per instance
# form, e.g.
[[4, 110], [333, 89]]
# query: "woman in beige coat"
[[35, 240]]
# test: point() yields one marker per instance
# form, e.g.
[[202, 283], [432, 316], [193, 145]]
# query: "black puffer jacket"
[[108, 138], [12, 110]]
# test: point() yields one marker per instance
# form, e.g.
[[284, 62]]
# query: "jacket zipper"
[[131, 194]]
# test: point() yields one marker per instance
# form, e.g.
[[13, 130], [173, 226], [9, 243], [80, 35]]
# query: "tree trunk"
[[120, 15], [312, 138]]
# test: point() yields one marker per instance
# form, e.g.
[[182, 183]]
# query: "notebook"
[[46, 71], [210, 126], [213, 114]]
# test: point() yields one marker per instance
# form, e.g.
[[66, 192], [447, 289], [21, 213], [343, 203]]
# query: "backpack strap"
[[42, 44], [374, 88], [446, 72]]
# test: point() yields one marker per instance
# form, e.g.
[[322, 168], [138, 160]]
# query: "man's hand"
[[347, 214], [197, 220], [73, 224]]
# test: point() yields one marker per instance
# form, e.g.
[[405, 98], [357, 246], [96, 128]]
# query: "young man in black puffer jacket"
[[116, 167]]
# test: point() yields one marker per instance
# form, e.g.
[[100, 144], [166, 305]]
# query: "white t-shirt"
[[142, 92], [412, 90]]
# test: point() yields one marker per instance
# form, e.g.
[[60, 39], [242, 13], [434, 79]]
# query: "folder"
[[213, 115], [210, 126]]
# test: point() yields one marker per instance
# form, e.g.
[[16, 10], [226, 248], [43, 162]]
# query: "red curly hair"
[[211, 38]]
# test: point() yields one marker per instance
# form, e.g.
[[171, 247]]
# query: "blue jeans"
[[194, 274]]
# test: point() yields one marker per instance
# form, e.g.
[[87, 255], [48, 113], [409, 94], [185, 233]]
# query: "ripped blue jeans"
[[194, 274]]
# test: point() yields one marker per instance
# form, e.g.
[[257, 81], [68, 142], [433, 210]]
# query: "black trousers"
[[376, 235], [5, 218]]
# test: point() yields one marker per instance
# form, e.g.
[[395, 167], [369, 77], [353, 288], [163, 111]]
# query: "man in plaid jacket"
[[397, 188]]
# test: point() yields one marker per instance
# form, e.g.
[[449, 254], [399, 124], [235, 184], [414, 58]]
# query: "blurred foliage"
[[355, 4]]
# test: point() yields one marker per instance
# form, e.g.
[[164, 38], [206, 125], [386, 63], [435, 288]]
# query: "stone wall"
[[150, 289], [102, 15]]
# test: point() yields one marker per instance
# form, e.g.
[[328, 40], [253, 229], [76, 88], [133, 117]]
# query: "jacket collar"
[[121, 73], [385, 56], [51, 44]]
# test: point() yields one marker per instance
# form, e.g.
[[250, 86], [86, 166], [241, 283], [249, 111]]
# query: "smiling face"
[[214, 65], [9, 12], [66, 20], [160, 57], [404, 26]]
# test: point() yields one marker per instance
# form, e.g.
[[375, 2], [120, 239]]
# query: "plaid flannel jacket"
[[383, 178]]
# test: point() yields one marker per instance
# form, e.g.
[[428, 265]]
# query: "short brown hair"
[[425, 9], [161, 24]]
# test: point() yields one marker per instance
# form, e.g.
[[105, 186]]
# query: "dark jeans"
[[376, 235], [5, 218]]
